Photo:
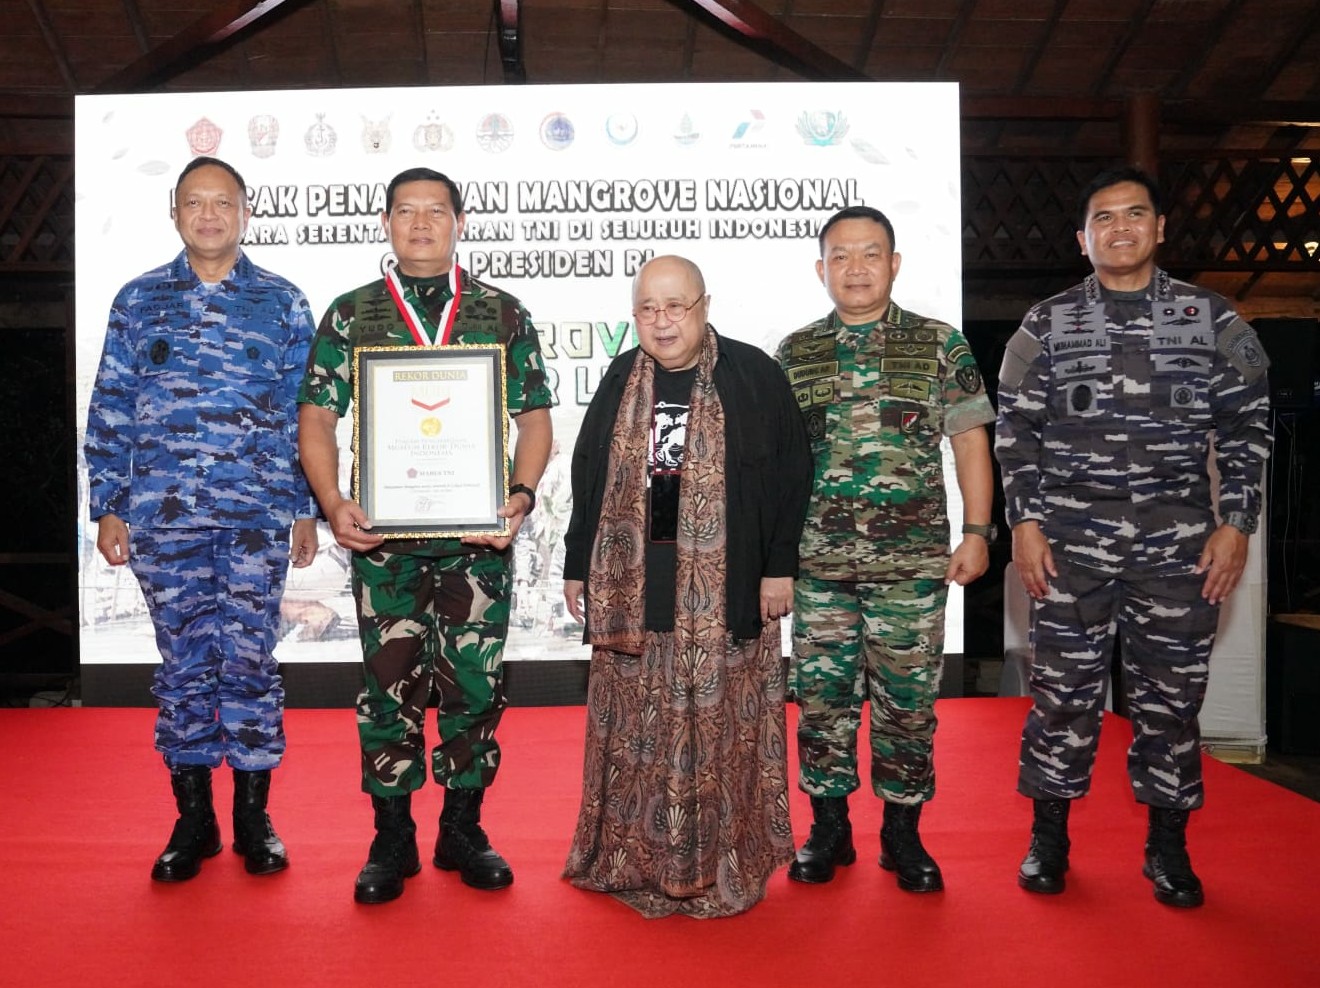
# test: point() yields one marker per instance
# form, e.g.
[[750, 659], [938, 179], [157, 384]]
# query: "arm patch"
[[1021, 352], [1241, 347]]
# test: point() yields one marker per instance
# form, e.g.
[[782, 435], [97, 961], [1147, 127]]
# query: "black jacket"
[[768, 473]]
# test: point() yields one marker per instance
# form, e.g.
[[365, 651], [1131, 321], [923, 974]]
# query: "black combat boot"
[[196, 834], [393, 855], [1043, 868], [901, 850], [254, 837], [462, 845], [829, 844], [1167, 863]]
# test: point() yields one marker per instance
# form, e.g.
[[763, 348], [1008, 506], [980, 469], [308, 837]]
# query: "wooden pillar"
[[1141, 132]]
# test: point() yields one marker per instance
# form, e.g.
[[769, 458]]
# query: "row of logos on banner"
[[496, 133]]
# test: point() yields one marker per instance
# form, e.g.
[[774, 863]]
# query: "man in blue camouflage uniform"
[[433, 613], [190, 457], [879, 388], [1108, 395]]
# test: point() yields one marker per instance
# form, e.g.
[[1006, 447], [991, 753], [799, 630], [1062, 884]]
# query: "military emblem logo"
[[320, 139], [203, 137], [968, 378], [433, 135], [263, 132], [160, 352], [376, 135], [1081, 397]]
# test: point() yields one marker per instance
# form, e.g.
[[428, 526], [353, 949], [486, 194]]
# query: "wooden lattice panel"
[[36, 213]]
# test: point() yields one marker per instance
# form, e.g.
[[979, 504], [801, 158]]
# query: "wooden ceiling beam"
[[867, 38], [768, 36], [510, 33], [1194, 65], [139, 26], [52, 39], [1135, 25], [191, 44]]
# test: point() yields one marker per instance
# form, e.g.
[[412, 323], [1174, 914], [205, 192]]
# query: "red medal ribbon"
[[416, 324]]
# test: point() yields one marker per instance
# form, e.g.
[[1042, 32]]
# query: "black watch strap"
[[524, 489]]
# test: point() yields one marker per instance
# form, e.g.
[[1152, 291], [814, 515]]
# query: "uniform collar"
[[240, 273], [1160, 288]]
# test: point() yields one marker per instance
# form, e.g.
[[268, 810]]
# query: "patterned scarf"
[[617, 584]]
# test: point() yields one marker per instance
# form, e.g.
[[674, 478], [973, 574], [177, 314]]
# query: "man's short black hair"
[[857, 213], [1116, 176], [424, 175], [201, 161]]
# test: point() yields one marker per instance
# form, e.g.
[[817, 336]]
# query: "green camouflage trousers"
[[878, 641], [430, 623]]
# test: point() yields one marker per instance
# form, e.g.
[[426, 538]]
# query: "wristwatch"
[[1243, 522], [524, 489], [988, 532]]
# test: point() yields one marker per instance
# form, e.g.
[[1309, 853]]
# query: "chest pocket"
[[910, 383], [1182, 351], [1081, 381], [249, 356]]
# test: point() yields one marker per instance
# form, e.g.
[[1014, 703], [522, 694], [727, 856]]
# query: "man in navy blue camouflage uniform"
[[191, 443], [1107, 398]]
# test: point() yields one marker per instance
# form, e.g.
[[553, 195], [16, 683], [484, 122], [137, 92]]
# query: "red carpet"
[[85, 808]]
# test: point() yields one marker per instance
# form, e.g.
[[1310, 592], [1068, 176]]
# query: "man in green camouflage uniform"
[[432, 613], [879, 387]]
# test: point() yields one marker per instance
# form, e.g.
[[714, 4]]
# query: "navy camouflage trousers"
[[214, 599], [858, 641], [1167, 632], [429, 623]]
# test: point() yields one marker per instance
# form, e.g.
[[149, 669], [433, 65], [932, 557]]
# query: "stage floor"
[[86, 807]]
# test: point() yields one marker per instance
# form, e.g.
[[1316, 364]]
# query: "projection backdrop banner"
[[568, 190]]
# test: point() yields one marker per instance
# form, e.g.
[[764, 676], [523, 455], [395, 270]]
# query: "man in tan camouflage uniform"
[[1107, 396], [879, 387], [432, 613]]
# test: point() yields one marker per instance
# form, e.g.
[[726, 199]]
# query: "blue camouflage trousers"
[[431, 624], [1167, 632], [857, 641], [214, 599]]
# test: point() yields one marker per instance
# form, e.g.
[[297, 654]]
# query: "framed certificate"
[[431, 435]]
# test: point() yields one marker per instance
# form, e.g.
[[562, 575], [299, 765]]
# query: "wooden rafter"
[[419, 19], [1193, 65], [950, 46], [1043, 43], [1302, 36], [1135, 26], [866, 39], [135, 21], [510, 35], [331, 45], [185, 48], [768, 36], [52, 39]]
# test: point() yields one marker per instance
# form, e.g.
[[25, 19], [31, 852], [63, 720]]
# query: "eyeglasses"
[[675, 311]]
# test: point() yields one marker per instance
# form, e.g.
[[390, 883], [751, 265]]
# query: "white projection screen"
[[568, 189]]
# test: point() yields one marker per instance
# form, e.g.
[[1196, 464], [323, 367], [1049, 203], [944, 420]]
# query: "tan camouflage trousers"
[[858, 641], [684, 782], [430, 624]]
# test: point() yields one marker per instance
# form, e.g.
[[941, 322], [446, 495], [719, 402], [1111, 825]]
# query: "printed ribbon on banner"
[[413, 316]]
